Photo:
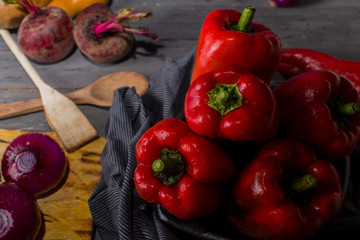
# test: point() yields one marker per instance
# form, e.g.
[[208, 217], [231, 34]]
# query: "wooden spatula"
[[64, 117]]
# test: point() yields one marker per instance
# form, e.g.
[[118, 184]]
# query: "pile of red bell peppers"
[[289, 187]]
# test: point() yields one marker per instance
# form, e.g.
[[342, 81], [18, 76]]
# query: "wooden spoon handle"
[[18, 108]]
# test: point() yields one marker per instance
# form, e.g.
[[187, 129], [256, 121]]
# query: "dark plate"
[[216, 226]]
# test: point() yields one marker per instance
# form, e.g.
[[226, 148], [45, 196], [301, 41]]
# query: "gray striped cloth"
[[118, 211]]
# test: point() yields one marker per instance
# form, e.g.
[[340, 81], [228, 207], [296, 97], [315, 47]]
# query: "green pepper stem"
[[169, 168], [303, 183], [166, 166], [158, 165], [244, 22], [222, 95], [225, 98], [349, 109]]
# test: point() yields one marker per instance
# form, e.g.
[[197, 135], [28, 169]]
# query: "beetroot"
[[45, 34], [105, 37], [20, 216], [35, 162]]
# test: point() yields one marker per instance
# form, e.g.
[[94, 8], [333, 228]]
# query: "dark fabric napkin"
[[118, 211]]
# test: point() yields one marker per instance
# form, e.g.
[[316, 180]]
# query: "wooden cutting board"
[[66, 212]]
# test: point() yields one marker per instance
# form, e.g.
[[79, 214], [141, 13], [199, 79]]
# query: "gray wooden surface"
[[330, 26]]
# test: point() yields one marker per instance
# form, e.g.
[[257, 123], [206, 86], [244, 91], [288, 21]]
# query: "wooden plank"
[[66, 212]]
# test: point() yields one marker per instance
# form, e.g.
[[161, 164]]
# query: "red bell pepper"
[[285, 193], [229, 37], [180, 170], [321, 108], [298, 60], [231, 103]]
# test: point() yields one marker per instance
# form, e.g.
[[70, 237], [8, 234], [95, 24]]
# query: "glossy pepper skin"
[[286, 192], [299, 60], [195, 170], [231, 103], [255, 47], [321, 108]]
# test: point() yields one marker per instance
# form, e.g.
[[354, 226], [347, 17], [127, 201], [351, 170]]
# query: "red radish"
[[20, 216], [35, 162], [105, 37], [45, 34]]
